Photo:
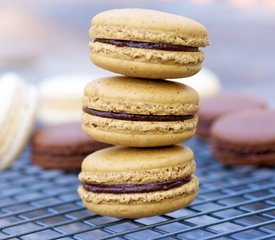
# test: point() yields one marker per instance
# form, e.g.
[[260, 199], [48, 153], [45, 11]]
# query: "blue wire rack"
[[233, 203]]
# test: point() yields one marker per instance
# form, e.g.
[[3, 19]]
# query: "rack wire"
[[234, 203]]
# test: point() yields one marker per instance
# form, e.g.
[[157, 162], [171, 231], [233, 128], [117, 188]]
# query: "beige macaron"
[[139, 112], [138, 182], [147, 43]]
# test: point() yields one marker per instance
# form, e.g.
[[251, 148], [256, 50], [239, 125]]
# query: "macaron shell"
[[143, 204], [140, 210], [148, 25], [141, 96], [251, 127], [137, 166], [141, 138], [148, 67], [134, 159]]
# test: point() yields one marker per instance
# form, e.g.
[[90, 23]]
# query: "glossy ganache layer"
[[136, 188], [148, 45], [136, 117]]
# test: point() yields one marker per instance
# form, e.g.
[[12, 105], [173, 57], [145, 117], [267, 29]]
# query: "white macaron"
[[18, 101], [60, 98]]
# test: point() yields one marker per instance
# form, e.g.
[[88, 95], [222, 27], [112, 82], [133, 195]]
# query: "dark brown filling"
[[136, 188], [136, 117], [148, 45]]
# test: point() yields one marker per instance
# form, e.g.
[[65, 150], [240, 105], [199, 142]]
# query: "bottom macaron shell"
[[145, 69], [138, 140], [142, 204], [141, 210]]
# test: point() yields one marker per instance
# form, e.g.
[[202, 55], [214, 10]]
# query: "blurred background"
[[46, 37]]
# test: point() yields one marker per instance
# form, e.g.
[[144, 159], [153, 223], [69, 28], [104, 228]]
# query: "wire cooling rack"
[[233, 203]]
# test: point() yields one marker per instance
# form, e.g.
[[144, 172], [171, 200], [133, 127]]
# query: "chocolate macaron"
[[139, 112], [246, 138], [213, 108], [62, 146], [147, 43], [138, 182]]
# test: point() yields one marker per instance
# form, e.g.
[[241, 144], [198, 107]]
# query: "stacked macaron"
[[148, 116]]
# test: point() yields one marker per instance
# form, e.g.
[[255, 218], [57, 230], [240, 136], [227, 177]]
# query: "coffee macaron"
[[246, 138], [62, 146], [18, 101], [138, 182], [147, 43], [224, 103], [139, 112]]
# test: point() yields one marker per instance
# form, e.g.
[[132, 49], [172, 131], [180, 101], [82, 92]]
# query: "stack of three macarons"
[[150, 173]]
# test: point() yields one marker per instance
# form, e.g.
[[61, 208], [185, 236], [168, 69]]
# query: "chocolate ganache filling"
[[137, 117], [148, 45], [135, 188]]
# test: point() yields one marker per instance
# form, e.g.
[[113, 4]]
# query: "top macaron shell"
[[147, 26], [156, 26], [144, 99], [137, 165]]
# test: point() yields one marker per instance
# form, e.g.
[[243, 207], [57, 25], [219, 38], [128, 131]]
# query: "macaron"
[[205, 82], [246, 138], [213, 108], [62, 146], [18, 101], [147, 43], [138, 182], [139, 112], [60, 98]]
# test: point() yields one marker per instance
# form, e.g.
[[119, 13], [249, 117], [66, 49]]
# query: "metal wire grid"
[[234, 203]]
